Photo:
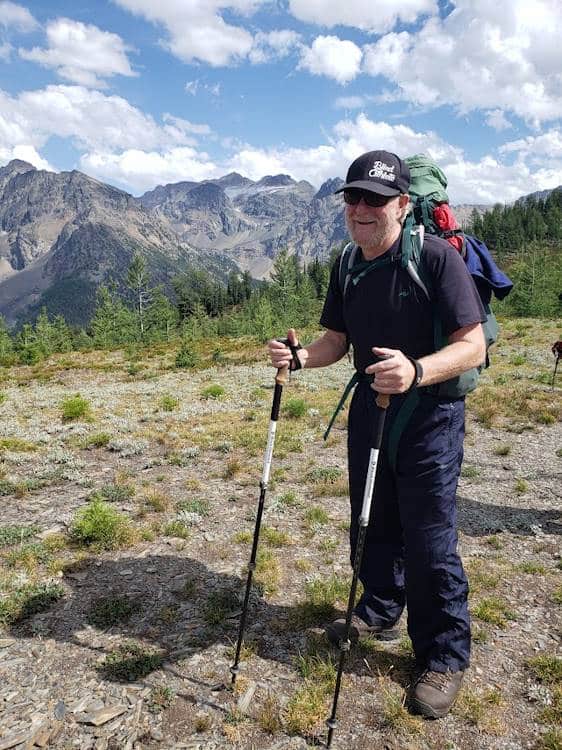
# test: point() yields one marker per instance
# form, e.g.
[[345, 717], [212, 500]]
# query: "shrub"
[[97, 440], [295, 408], [130, 662], [75, 407], [100, 525], [111, 610], [117, 493], [27, 601], [168, 403], [213, 391], [186, 357]]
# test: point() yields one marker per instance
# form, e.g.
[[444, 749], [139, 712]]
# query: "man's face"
[[375, 227]]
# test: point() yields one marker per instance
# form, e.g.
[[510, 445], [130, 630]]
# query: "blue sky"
[[144, 92]]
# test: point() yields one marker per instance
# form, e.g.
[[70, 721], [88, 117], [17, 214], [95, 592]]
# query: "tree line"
[[526, 240], [141, 314]]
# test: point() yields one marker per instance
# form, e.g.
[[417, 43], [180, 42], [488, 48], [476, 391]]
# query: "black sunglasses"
[[354, 195]]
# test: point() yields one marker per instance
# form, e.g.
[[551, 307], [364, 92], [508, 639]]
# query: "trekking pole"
[[557, 351], [382, 402], [280, 380]]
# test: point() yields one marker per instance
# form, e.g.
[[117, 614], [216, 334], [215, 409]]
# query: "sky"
[[139, 93]]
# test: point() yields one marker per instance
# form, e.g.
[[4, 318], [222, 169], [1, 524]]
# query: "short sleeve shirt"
[[387, 308]]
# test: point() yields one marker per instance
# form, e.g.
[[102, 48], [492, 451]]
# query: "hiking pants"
[[410, 553]]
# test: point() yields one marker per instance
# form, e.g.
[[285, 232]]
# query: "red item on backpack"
[[444, 217]]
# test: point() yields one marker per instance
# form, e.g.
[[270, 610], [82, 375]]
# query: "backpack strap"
[[347, 259]]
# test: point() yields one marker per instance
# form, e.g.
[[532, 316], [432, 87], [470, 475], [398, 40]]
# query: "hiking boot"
[[335, 631], [435, 692]]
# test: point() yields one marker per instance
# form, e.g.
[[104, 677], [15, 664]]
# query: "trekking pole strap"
[[355, 378]]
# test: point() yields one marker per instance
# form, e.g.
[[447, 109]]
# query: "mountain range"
[[63, 234]]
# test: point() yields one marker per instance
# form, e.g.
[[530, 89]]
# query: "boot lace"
[[438, 680]]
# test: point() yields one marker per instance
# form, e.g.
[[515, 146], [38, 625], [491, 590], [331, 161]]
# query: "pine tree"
[[6, 344], [137, 281]]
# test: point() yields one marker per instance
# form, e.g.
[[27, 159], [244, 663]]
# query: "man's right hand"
[[280, 354]]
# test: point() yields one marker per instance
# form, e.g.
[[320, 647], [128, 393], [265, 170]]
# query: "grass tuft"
[[99, 525], [129, 662], [75, 407]]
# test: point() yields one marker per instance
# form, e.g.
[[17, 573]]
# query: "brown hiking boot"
[[435, 692], [335, 631]]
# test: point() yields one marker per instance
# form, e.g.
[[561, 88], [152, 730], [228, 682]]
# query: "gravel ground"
[[198, 461]]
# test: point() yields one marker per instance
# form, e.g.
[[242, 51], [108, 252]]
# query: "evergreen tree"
[[113, 323], [137, 281], [6, 344], [161, 317]]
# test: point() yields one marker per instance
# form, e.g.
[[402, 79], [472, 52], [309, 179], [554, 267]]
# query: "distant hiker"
[[411, 546], [557, 351]]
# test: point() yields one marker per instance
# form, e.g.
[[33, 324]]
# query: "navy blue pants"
[[410, 550]]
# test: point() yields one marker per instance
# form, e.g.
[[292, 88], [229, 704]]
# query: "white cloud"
[[497, 120], [196, 29], [81, 53], [487, 180], [25, 153], [143, 170], [376, 17], [333, 57], [92, 120], [353, 102], [547, 145], [5, 51], [193, 87], [273, 45], [16, 17], [481, 56]]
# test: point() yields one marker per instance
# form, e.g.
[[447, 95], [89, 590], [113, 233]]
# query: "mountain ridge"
[[68, 225]]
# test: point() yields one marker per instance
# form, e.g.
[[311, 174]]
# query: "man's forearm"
[[457, 357], [326, 350]]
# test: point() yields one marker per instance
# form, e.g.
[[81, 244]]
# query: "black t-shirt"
[[387, 308]]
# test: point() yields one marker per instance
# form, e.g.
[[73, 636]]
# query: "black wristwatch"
[[418, 376]]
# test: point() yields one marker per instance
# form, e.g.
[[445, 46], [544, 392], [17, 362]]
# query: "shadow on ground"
[[480, 519], [179, 607]]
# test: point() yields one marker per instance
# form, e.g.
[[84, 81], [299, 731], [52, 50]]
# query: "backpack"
[[431, 213]]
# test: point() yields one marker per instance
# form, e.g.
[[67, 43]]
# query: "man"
[[411, 545]]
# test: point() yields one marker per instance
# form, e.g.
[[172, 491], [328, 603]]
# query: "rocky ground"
[[125, 640]]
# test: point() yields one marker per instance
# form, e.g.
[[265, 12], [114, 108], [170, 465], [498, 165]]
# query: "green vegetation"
[[494, 611], [116, 493], [100, 526], [168, 403], [10, 535], [111, 610], [212, 391], [219, 605], [295, 408], [130, 662], [319, 603], [547, 668], [75, 407], [28, 600]]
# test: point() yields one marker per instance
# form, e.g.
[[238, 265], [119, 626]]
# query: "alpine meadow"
[[175, 535]]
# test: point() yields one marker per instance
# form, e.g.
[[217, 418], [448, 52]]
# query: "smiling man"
[[410, 554]]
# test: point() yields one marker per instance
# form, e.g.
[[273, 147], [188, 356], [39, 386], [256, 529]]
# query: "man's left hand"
[[394, 374]]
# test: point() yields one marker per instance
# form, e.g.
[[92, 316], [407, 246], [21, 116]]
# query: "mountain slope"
[[72, 227]]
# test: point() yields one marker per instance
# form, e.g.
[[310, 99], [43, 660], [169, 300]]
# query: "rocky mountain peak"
[[328, 188], [233, 179], [278, 180]]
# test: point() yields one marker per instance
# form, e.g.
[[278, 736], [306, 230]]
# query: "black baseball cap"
[[379, 172]]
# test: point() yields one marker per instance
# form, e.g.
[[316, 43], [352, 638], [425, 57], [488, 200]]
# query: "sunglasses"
[[353, 196]]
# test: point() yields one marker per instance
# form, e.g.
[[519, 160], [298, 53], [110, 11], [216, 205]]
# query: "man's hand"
[[394, 374], [279, 354]]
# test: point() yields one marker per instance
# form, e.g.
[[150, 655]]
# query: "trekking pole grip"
[[282, 375]]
